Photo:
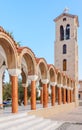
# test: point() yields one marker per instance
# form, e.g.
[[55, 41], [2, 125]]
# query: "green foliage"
[[6, 91], [20, 90]]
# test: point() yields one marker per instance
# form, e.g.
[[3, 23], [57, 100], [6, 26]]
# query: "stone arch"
[[64, 80], [52, 73], [27, 61], [58, 77], [42, 68], [9, 46], [68, 82]]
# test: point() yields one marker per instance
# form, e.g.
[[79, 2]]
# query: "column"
[[41, 95], [68, 95], [53, 95], [59, 94], [53, 84], [45, 98], [33, 79], [71, 95], [64, 94], [25, 94], [14, 81]]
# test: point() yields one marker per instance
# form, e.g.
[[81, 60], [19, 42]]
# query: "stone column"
[[25, 94], [45, 98], [41, 95], [59, 94], [14, 81], [68, 95], [64, 94], [33, 79], [71, 95], [53, 84]]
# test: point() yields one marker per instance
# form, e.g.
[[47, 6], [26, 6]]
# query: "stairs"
[[23, 121]]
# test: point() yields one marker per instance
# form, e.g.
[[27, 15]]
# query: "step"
[[16, 121], [12, 116], [39, 126], [25, 124], [53, 126]]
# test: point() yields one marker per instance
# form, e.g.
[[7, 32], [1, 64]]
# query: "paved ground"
[[73, 119]]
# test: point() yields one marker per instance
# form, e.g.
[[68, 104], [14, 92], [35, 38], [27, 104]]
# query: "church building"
[[66, 44]]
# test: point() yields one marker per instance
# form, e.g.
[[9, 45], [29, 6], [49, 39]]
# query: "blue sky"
[[31, 22]]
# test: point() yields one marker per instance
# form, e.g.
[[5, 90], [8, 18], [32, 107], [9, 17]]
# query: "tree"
[[7, 91]]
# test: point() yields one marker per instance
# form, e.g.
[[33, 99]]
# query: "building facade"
[[61, 78], [80, 90], [66, 45]]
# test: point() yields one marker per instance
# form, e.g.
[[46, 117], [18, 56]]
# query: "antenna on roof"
[[66, 10]]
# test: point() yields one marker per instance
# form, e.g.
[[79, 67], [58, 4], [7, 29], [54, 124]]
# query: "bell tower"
[[66, 46]]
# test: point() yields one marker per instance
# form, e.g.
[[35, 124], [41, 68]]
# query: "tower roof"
[[68, 15]]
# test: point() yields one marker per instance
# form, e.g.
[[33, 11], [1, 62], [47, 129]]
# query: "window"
[[67, 32], [64, 65], [64, 49], [64, 19], [61, 33]]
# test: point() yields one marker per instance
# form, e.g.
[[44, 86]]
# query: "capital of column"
[[60, 85], [24, 85], [45, 81], [53, 84], [14, 72], [69, 88], [33, 77], [65, 87]]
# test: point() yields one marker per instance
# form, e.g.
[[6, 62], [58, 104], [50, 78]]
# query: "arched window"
[[64, 65], [61, 33], [67, 32], [64, 49]]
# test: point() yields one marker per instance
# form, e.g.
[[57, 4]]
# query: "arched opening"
[[43, 81], [52, 75], [64, 65], [61, 33], [6, 89], [64, 49], [67, 32]]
